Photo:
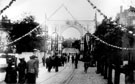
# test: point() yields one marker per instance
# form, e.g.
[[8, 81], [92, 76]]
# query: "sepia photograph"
[[67, 41]]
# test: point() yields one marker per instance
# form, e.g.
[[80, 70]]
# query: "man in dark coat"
[[86, 60], [22, 71], [73, 59], [31, 70], [43, 60], [76, 61], [49, 63], [56, 62]]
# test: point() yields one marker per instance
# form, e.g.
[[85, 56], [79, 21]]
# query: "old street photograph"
[[67, 41]]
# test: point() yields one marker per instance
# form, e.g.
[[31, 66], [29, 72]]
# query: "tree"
[[76, 44], [29, 42], [110, 33], [67, 43], [106, 53]]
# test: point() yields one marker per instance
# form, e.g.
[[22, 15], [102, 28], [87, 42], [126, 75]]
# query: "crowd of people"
[[55, 61], [27, 72]]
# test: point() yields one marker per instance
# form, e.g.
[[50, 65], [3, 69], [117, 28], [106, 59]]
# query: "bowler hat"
[[32, 57]]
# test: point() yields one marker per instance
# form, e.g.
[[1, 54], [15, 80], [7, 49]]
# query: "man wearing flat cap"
[[31, 70], [36, 51]]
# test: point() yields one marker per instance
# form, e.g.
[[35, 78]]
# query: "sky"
[[80, 9]]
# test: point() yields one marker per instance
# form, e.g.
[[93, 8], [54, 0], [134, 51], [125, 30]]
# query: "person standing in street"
[[73, 59], [43, 60], [49, 63], [31, 70], [37, 65], [22, 71], [76, 61], [11, 72], [57, 62], [86, 59], [36, 54], [68, 57]]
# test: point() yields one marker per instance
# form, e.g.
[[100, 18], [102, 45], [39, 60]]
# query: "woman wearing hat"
[[11, 72]]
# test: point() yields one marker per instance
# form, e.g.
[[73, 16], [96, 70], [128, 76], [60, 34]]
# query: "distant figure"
[[49, 63], [68, 57], [22, 71], [73, 59], [56, 62], [43, 60], [76, 61]]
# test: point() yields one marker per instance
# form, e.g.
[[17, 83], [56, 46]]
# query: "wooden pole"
[[110, 74], [117, 75]]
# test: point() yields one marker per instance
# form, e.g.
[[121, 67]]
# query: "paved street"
[[53, 77], [80, 77], [69, 75]]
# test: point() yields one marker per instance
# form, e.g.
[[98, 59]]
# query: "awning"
[[70, 50]]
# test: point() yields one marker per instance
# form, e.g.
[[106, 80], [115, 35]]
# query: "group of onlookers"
[[24, 72]]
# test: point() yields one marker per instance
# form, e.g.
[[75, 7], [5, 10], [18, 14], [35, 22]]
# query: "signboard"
[[3, 62]]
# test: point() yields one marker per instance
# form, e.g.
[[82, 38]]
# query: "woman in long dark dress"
[[11, 73]]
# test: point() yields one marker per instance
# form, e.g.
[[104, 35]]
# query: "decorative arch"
[[65, 27], [60, 26]]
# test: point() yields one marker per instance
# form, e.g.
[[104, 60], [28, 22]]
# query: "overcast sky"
[[80, 9]]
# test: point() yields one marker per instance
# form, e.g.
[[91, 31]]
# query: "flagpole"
[[95, 20], [45, 37]]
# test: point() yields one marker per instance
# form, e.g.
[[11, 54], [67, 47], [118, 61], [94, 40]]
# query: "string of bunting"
[[55, 11], [10, 3], [117, 47], [24, 35], [97, 38], [114, 46], [123, 28], [21, 36]]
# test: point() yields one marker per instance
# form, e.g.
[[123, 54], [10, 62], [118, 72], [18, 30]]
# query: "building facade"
[[126, 17]]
